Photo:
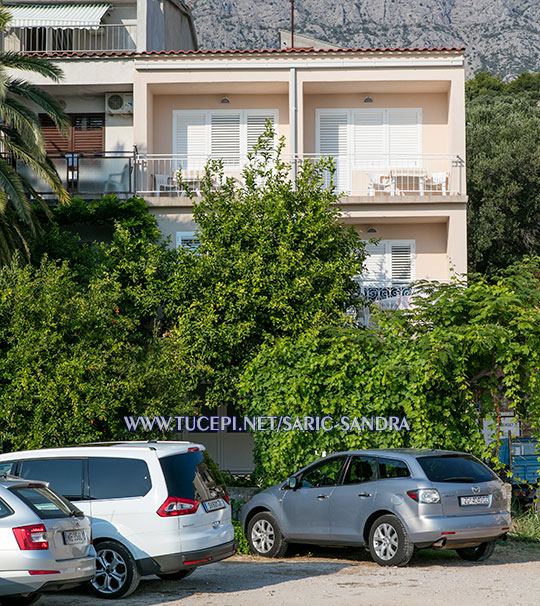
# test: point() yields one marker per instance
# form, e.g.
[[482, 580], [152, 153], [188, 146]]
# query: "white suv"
[[155, 507]]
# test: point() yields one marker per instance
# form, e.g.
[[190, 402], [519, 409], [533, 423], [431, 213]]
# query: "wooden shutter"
[[225, 137], [190, 138], [256, 125], [369, 141], [88, 133], [334, 141], [55, 142], [401, 263], [404, 141], [375, 264]]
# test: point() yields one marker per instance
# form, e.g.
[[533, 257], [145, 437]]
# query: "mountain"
[[501, 36]]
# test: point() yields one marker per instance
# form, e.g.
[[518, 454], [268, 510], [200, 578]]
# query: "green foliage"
[[526, 527], [71, 365], [461, 347], [274, 260], [243, 544], [503, 180], [485, 83]]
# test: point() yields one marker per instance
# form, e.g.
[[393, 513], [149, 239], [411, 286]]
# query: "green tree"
[[503, 180], [274, 259], [463, 352], [22, 140]]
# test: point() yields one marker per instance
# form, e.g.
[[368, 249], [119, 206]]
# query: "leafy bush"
[[243, 545]]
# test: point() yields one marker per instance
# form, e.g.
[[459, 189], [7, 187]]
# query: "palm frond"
[[5, 16], [11, 184], [46, 101], [31, 63], [19, 121]]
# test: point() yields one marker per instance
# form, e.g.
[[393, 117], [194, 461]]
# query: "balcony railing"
[[106, 37], [374, 176], [88, 174]]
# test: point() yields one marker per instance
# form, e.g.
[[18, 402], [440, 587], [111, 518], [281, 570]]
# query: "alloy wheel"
[[111, 571], [263, 536], [385, 541]]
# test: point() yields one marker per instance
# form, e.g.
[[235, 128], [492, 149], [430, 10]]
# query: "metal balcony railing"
[[374, 176], [106, 37]]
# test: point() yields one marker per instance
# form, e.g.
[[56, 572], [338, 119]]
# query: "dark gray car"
[[390, 501]]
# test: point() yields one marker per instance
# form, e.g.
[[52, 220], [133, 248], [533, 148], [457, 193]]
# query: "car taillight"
[[227, 498], [31, 537], [174, 506], [429, 496]]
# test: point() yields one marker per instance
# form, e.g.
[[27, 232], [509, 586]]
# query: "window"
[[390, 262], [192, 475], [325, 473], [8, 467], [455, 468], [65, 476], [361, 469], [393, 468], [371, 137], [226, 135], [118, 478], [86, 134], [5, 510], [43, 502], [187, 239]]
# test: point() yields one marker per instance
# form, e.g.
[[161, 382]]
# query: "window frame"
[[84, 473], [382, 458], [319, 464], [388, 280], [130, 458], [348, 467]]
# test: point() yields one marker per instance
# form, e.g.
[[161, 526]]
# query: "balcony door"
[[369, 139], [226, 135]]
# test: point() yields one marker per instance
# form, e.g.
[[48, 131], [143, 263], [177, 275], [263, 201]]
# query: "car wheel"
[[264, 536], [477, 554], [116, 571], [19, 600], [178, 575], [389, 543]]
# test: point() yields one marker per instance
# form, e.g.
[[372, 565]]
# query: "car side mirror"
[[292, 483]]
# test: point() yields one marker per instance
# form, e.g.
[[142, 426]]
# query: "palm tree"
[[22, 143]]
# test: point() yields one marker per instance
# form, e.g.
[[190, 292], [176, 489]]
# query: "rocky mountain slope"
[[502, 36]]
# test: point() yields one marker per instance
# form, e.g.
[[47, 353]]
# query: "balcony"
[[102, 38], [384, 177]]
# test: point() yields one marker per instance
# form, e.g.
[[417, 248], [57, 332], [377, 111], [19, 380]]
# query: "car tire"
[[19, 600], [178, 575], [264, 536], [389, 543], [477, 554], [117, 575]]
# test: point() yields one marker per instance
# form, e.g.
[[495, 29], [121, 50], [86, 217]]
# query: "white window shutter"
[[375, 264], [187, 239], [190, 138], [404, 136], [402, 263], [225, 137], [369, 141], [256, 125], [334, 141]]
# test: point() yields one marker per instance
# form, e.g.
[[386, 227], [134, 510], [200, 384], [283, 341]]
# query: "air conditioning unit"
[[119, 103]]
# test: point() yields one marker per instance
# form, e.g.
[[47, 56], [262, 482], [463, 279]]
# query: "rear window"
[[65, 476], [43, 502], [455, 468], [193, 475], [118, 478], [8, 467]]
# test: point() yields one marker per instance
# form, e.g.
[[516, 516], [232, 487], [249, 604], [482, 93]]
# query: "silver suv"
[[392, 501], [45, 542]]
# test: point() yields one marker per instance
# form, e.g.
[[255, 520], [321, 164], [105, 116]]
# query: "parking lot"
[[317, 576]]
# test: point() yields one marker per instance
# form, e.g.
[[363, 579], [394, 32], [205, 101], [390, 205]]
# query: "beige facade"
[[393, 120]]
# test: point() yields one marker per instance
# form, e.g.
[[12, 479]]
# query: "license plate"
[[482, 499], [74, 537], [214, 505]]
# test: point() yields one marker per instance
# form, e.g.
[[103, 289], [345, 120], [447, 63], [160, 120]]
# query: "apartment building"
[[393, 119]]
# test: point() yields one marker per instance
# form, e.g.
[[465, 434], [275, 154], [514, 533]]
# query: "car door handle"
[[322, 496], [364, 494]]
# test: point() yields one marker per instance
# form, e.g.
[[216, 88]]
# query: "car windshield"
[[192, 475], [455, 468]]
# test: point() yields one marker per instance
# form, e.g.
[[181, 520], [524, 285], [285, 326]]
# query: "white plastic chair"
[[438, 182]]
